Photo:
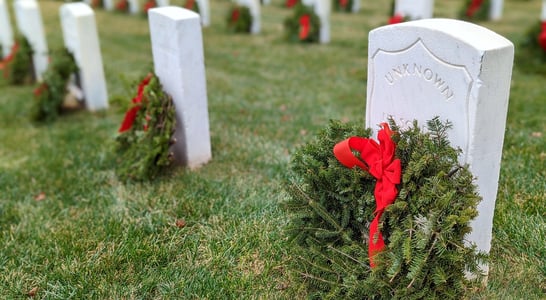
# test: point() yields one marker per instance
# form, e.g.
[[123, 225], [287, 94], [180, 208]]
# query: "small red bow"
[[343, 3], [542, 36], [235, 15], [379, 161], [131, 114], [305, 25], [397, 18], [190, 4], [149, 5], [473, 8]]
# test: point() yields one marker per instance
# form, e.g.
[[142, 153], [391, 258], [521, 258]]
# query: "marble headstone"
[[29, 22], [6, 32], [458, 71], [81, 38], [179, 62], [414, 9]]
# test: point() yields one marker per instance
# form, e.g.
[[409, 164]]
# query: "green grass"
[[94, 237]]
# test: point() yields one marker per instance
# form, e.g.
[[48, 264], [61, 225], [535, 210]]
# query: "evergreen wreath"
[[192, 5], [149, 4], [146, 134], [531, 54], [331, 206], [303, 25], [122, 6], [239, 19], [49, 95], [18, 65], [343, 5], [475, 10]]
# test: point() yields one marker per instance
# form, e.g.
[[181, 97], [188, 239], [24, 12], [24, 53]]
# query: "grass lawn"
[[70, 229]]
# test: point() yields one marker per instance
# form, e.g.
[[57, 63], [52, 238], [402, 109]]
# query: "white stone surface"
[[308, 2], [161, 3], [414, 9], [29, 22], [356, 6], [81, 38], [323, 9], [6, 32], [135, 6], [495, 12], [108, 4], [179, 62], [458, 71], [204, 12], [254, 7]]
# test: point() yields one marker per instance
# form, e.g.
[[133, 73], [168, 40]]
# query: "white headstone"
[[81, 38], [29, 22], [254, 7], [108, 4], [179, 62], [204, 12], [323, 9], [356, 6], [134, 6], [308, 2], [161, 3], [6, 32], [414, 9], [495, 12], [458, 71]]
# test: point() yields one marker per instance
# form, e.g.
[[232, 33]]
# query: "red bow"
[[542, 36], [379, 161], [235, 15], [343, 3], [190, 4], [131, 114], [122, 5], [40, 89], [305, 25], [8, 59], [290, 3], [149, 5], [473, 7], [397, 18]]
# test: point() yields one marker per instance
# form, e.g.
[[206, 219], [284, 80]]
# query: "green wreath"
[[293, 25], [143, 145], [331, 206], [49, 95], [239, 19], [192, 5], [530, 55], [480, 14], [343, 5], [19, 68]]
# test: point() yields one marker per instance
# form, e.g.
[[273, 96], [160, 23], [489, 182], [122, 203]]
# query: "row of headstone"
[[80, 38], [424, 9]]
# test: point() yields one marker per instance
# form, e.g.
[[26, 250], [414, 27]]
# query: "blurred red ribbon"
[[378, 160], [131, 114], [473, 7], [4, 63], [305, 25]]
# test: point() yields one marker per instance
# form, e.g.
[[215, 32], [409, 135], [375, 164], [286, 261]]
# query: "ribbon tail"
[[376, 243], [129, 119]]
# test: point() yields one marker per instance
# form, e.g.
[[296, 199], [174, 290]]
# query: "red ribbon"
[[378, 160], [235, 15], [542, 36], [473, 7], [40, 89], [343, 3], [131, 114], [291, 3], [148, 5], [122, 5], [397, 18], [189, 4], [4, 63], [305, 25]]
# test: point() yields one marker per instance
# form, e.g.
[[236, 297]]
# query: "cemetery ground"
[[70, 229]]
